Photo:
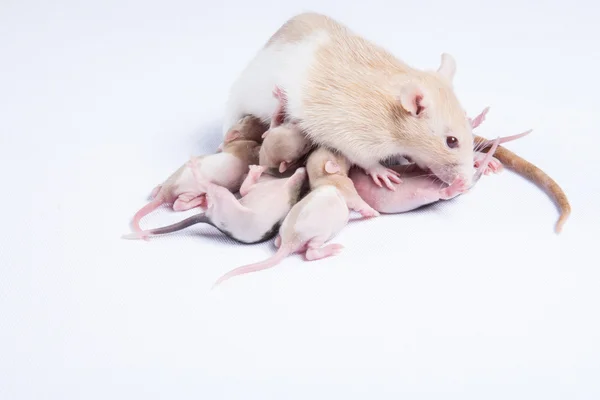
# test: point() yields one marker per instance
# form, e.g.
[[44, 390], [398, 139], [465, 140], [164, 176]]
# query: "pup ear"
[[448, 67], [412, 99], [283, 166], [331, 167], [232, 135]]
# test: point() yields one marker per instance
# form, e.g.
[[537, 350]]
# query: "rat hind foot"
[[380, 174], [318, 253], [184, 203]]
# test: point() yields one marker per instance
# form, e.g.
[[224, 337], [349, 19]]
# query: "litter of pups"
[[298, 188]]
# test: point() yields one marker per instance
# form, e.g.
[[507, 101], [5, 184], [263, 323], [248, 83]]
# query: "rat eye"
[[452, 142]]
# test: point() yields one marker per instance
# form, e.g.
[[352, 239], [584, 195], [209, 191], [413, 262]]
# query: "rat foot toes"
[[368, 212], [387, 176], [313, 254], [184, 203], [457, 187]]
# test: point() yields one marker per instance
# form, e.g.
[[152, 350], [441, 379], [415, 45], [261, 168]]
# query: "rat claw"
[[375, 179], [388, 184], [385, 175]]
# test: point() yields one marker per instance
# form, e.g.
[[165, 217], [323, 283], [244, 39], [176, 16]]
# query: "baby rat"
[[226, 168], [255, 217], [318, 217], [247, 128], [284, 143], [418, 189], [523, 168], [352, 95]]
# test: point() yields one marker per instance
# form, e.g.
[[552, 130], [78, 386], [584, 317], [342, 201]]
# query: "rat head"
[[323, 162], [247, 128], [283, 145], [432, 123]]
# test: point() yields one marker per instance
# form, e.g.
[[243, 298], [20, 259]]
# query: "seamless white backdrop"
[[469, 299]]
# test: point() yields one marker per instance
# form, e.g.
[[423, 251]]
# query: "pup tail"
[[147, 209], [194, 219], [283, 251], [481, 143], [486, 160], [537, 176]]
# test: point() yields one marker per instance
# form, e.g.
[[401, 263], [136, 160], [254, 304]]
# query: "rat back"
[[321, 214], [223, 169], [284, 61]]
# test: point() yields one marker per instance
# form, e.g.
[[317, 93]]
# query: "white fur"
[[280, 64]]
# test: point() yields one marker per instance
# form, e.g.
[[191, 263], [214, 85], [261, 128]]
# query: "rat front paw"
[[381, 174]]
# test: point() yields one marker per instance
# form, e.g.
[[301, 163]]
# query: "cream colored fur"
[[351, 95]]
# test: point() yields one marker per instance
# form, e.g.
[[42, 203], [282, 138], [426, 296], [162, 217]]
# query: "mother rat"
[[349, 94]]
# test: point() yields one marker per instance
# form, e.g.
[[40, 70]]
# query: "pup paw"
[[457, 187], [494, 166]]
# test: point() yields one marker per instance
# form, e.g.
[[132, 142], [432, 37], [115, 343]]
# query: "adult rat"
[[353, 96]]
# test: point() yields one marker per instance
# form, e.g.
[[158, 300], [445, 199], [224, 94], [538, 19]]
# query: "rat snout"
[[450, 172]]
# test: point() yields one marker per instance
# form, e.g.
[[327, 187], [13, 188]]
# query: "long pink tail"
[[147, 209], [282, 252]]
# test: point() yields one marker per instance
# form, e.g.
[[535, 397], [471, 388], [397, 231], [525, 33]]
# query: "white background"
[[475, 298]]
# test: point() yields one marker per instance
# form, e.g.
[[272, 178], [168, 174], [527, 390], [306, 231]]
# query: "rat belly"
[[416, 190]]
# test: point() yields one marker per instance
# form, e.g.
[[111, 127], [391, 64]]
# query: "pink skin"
[[419, 188], [279, 114], [313, 245], [179, 190], [312, 222], [475, 122], [265, 201]]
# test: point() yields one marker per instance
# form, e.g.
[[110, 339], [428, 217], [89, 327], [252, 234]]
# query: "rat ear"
[[448, 67], [282, 167], [231, 136], [412, 99], [331, 167]]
